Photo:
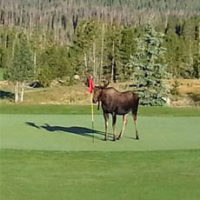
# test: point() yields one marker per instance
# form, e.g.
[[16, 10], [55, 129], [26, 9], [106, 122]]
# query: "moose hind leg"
[[106, 117], [134, 113], [114, 117], [135, 122]]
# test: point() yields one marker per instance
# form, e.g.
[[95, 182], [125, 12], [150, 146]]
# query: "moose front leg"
[[123, 127], [114, 117], [106, 117]]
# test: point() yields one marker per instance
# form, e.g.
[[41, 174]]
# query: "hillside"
[[187, 93]]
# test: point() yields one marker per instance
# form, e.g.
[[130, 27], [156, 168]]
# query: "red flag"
[[91, 84]]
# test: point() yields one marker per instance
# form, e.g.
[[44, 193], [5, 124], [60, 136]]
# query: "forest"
[[140, 41]]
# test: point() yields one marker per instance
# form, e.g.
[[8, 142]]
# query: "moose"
[[116, 103]]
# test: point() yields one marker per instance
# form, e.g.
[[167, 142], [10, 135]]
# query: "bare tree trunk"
[[199, 39], [12, 15], [16, 92], [85, 59], [21, 16], [166, 22], [34, 62], [94, 60], [191, 61], [102, 47], [113, 62], [22, 92], [30, 21]]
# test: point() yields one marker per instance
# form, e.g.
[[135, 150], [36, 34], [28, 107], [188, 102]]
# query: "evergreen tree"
[[82, 54], [20, 69], [127, 47], [53, 64], [149, 68], [112, 53]]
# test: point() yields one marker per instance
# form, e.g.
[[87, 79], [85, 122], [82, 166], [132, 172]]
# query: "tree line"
[[61, 17], [46, 40]]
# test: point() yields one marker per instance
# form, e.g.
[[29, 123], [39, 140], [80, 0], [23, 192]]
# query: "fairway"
[[166, 175], [53, 156]]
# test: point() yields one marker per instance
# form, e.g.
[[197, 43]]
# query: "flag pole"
[[92, 112], [91, 88]]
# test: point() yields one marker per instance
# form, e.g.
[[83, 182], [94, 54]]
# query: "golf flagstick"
[[91, 87], [92, 112]]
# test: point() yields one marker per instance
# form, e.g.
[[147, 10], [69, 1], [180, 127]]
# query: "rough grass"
[[189, 86], [86, 109], [95, 175], [78, 94]]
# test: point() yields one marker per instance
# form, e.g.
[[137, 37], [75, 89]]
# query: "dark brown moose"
[[116, 103]]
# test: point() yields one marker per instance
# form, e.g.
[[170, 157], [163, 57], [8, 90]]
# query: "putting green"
[[74, 133], [46, 156]]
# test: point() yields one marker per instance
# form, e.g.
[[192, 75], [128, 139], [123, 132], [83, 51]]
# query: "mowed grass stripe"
[[74, 133], [99, 175], [86, 109]]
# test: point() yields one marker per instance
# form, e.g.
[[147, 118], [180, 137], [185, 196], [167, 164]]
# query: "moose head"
[[98, 92]]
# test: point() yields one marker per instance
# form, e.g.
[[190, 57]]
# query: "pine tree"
[[54, 64], [112, 54], [149, 68], [127, 47], [20, 69], [83, 53]]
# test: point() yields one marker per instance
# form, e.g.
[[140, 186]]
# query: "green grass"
[[74, 133], [166, 175], [81, 109], [50, 154]]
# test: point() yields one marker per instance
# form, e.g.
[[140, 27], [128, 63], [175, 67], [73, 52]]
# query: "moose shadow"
[[72, 129], [6, 95]]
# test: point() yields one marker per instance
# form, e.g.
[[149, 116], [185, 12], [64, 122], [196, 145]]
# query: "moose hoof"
[[118, 138], [105, 139], [137, 138]]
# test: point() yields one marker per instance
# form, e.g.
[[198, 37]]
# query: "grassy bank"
[[86, 109]]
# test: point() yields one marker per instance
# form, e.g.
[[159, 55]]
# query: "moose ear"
[[104, 84]]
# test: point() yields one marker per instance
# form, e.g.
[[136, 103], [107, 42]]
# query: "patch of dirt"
[[189, 86], [188, 92], [184, 100], [4, 84]]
